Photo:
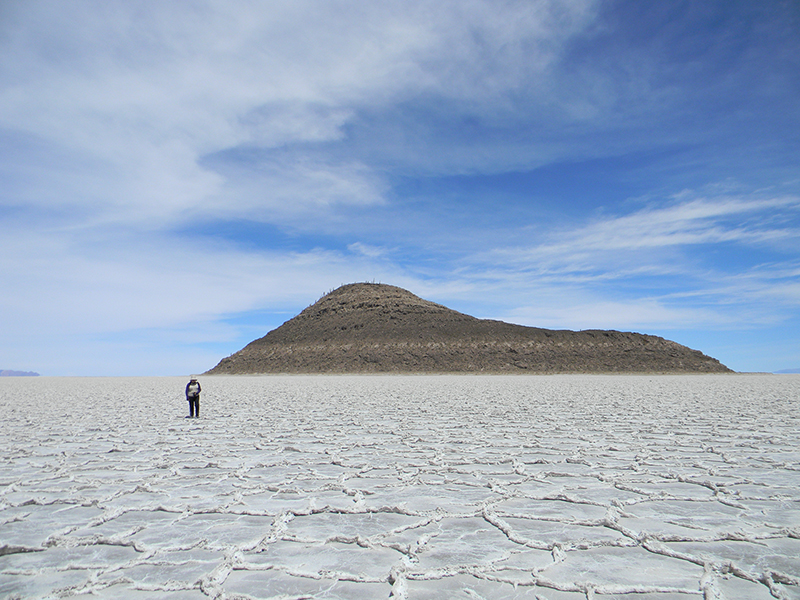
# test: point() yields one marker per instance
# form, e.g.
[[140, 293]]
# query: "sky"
[[179, 178]]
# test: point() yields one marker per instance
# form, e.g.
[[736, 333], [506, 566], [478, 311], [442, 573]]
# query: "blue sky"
[[178, 178]]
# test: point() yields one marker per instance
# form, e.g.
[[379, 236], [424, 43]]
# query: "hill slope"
[[378, 328]]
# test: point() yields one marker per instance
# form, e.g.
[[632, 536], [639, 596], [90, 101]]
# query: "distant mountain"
[[377, 328], [788, 371], [9, 373]]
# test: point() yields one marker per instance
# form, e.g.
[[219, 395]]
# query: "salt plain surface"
[[417, 487]]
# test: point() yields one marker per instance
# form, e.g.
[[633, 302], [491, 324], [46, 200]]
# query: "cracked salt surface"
[[549, 487]]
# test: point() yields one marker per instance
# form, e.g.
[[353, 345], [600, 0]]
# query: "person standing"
[[193, 396]]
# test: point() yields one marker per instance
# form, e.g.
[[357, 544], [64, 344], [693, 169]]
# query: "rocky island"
[[379, 328]]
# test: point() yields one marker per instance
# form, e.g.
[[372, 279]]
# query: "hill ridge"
[[381, 328]]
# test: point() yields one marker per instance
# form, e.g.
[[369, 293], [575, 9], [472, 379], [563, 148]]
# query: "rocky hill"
[[377, 328]]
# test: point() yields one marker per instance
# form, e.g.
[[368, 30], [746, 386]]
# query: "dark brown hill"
[[377, 328]]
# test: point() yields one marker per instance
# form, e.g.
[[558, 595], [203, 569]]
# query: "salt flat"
[[546, 487]]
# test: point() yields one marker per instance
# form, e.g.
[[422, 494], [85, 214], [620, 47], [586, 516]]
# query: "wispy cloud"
[[665, 266], [645, 240]]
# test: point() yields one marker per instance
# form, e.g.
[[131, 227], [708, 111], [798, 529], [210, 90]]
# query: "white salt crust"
[[411, 487]]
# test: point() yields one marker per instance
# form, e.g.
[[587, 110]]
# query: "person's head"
[[193, 379]]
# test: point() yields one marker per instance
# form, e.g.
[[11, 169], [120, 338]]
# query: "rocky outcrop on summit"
[[378, 328]]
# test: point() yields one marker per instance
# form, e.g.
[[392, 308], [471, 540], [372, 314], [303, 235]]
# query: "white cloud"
[[366, 250], [649, 240], [291, 189], [145, 91], [655, 268], [590, 312]]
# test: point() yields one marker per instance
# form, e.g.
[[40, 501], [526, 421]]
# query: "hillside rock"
[[378, 328]]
